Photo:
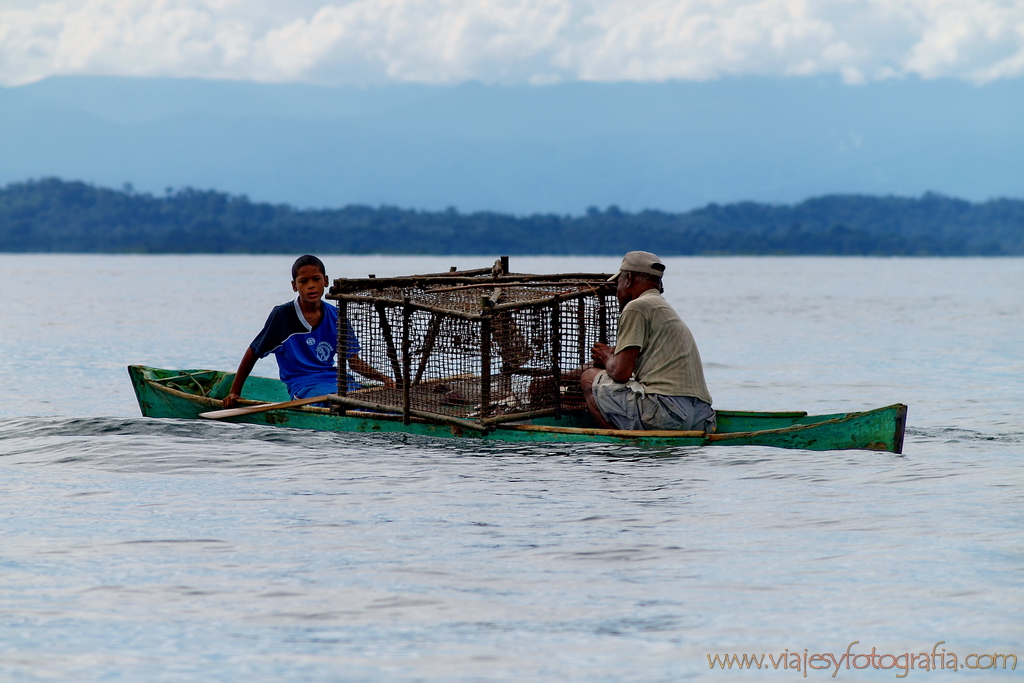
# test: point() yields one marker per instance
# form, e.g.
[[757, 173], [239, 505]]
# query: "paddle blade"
[[262, 407]]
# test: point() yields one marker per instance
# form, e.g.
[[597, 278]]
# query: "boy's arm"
[[244, 368], [369, 372]]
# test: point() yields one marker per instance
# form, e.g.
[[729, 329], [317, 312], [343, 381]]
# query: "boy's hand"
[[231, 400]]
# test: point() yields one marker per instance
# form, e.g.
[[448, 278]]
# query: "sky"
[[366, 42], [517, 105]]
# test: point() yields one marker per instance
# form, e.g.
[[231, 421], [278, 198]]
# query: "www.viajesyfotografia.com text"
[[802, 662]]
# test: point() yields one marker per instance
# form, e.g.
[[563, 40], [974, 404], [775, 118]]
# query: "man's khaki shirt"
[[669, 362]]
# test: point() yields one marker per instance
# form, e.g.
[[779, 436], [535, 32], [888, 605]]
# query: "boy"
[[303, 336]]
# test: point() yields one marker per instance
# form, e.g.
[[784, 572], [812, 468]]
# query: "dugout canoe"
[[185, 394]]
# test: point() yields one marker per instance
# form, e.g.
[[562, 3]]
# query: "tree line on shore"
[[53, 215]]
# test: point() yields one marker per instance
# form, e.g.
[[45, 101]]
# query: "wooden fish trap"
[[474, 348]]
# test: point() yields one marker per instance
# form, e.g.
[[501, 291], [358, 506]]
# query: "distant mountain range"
[[523, 149], [52, 215]]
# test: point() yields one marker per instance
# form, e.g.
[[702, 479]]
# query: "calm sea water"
[[156, 550]]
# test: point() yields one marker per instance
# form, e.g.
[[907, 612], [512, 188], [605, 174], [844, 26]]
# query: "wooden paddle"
[[248, 410]]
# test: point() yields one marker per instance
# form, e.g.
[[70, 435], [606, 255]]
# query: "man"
[[653, 377]]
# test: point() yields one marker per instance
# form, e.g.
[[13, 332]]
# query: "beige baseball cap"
[[640, 262]]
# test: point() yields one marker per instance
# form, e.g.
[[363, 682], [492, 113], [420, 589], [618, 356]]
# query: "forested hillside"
[[52, 215]]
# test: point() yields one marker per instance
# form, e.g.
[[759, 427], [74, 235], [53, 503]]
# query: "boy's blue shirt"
[[305, 354]]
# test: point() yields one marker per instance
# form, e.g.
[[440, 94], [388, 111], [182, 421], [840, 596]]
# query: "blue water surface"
[[139, 549]]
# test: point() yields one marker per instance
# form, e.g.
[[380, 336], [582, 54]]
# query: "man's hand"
[[601, 353], [620, 366], [231, 400]]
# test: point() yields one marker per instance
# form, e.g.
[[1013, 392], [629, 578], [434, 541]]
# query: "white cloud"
[[510, 41]]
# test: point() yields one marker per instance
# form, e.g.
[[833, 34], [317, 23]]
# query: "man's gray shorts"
[[629, 409]]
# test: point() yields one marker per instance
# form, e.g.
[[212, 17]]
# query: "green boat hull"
[[185, 394]]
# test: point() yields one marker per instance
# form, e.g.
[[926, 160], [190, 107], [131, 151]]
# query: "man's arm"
[[369, 372], [619, 365], [244, 368]]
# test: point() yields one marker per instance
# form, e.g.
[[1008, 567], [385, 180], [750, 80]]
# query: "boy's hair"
[[307, 260]]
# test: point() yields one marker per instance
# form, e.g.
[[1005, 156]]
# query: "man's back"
[[669, 362]]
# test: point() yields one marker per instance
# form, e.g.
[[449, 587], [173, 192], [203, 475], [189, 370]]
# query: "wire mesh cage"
[[481, 346]]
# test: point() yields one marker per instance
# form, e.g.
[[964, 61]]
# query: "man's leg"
[[587, 385]]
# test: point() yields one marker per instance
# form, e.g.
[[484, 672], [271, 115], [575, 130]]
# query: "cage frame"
[[490, 281]]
